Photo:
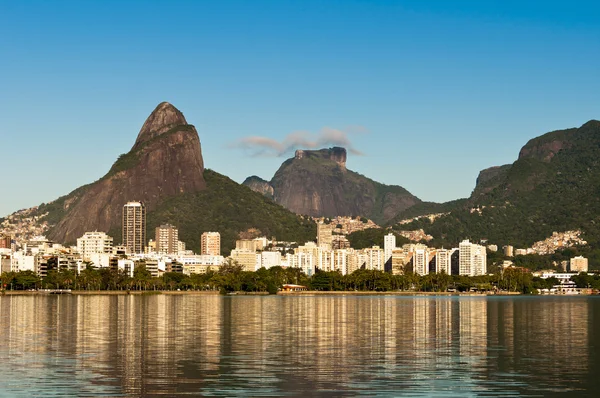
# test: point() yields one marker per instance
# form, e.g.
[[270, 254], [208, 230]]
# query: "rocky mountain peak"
[[164, 117], [336, 154], [165, 162], [317, 183]]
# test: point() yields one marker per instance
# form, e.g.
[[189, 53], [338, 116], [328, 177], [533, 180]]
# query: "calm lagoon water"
[[192, 345]]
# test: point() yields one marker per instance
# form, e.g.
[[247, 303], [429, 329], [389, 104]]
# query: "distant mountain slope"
[[553, 186], [259, 185], [165, 170], [424, 208], [317, 183]]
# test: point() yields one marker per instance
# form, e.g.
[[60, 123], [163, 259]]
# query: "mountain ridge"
[[554, 185], [318, 183]]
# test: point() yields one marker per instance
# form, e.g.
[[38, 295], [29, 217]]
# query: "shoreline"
[[111, 293], [216, 292], [281, 293]]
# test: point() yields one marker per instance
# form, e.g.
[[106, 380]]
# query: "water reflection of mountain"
[[144, 345]]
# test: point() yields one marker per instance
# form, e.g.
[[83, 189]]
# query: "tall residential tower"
[[134, 227], [167, 239], [210, 243]]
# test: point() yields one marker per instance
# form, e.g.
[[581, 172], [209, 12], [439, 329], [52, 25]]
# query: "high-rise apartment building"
[[374, 259], [167, 239], [578, 264], [472, 259], [134, 227], [443, 261], [421, 258], [210, 243], [94, 243], [389, 244], [5, 241], [324, 235], [400, 261]]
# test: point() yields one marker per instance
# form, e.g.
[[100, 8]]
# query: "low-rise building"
[[94, 243], [247, 259]]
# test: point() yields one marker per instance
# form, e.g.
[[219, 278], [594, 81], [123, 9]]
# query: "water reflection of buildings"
[[177, 344], [552, 333]]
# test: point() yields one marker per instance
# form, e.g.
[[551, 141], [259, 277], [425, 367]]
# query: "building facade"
[[472, 259], [389, 244], [5, 241], [324, 235], [578, 264], [167, 239], [94, 243], [134, 227], [210, 243], [443, 261]]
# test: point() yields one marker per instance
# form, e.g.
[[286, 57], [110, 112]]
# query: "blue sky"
[[430, 92]]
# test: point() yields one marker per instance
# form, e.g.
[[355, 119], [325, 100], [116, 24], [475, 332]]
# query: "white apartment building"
[[94, 243], [269, 259], [22, 262], [167, 239], [389, 244], [99, 260], [341, 261], [578, 264], [127, 266], [421, 261], [472, 259], [200, 260], [303, 260], [443, 261], [374, 258]]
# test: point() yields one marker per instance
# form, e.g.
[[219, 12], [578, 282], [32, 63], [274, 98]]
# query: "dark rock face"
[[166, 160], [545, 147], [544, 152], [164, 117], [335, 154], [259, 185], [489, 179], [317, 183]]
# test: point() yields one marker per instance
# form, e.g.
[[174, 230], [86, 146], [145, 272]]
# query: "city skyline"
[[476, 80]]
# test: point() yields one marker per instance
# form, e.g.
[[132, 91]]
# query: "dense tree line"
[[231, 278]]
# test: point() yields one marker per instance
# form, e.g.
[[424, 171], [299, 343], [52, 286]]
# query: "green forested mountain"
[[553, 186]]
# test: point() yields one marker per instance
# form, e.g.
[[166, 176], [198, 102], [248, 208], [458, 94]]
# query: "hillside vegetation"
[[553, 186], [228, 208]]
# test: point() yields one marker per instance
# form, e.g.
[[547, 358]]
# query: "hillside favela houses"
[[330, 252]]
